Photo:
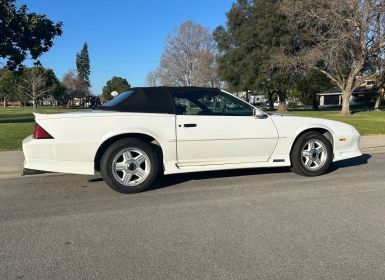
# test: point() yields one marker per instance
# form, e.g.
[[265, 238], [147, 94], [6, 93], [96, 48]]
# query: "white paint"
[[216, 143]]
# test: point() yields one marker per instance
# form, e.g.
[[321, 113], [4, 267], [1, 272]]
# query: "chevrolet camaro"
[[144, 132]]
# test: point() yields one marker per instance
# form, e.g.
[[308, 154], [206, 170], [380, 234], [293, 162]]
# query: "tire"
[[129, 166], [311, 155]]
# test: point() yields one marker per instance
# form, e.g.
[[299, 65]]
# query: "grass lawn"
[[367, 122], [17, 123]]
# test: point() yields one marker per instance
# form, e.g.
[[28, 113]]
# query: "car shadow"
[[165, 181], [361, 160], [175, 179]]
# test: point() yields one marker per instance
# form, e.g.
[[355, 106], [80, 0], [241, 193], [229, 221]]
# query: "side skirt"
[[198, 168]]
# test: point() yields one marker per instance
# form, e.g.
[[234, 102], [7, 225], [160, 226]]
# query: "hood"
[[289, 124]]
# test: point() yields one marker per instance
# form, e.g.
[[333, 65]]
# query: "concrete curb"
[[11, 162]]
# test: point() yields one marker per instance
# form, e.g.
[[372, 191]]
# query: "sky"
[[125, 37]]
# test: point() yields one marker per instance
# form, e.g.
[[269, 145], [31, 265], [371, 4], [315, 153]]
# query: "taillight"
[[40, 133]]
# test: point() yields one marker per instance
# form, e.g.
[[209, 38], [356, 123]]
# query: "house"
[[5, 103], [258, 99], [364, 94], [49, 101], [254, 97]]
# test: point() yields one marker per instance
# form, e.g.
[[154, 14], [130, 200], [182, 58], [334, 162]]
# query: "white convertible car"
[[146, 131]]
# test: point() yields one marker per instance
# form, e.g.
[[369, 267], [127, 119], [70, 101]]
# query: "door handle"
[[190, 125]]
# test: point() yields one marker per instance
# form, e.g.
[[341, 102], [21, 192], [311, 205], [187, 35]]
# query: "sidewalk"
[[372, 142], [11, 162]]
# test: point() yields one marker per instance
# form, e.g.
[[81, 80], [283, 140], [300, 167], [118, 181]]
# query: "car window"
[[118, 99], [209, 103]]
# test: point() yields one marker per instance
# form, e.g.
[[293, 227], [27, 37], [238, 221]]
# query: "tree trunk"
[[33, 104], [247, 96], [4, 105], [270, 100], [315, 102], [345, 103], [282, 107], [380, 93], [271, 105]]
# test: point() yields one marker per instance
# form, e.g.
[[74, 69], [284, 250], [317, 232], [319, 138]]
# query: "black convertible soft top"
[[149, 99]]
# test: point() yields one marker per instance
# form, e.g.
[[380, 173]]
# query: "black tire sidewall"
[[296, 154], [116, 147]]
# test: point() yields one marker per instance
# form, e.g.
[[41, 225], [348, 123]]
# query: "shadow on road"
[[175, 179], [170, 180], [350, 162]]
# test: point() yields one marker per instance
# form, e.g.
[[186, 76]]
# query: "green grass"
[[17, 123], [367, 123]]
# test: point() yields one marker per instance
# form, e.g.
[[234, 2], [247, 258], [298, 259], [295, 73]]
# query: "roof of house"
[[361, 89]]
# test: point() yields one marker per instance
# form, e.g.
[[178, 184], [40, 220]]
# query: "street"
[[242, 224]]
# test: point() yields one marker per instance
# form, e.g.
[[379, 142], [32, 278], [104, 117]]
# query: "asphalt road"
[[254, 224]]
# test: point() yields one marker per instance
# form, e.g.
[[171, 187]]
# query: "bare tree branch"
[[341, 36], [188, 58], [33, 84]]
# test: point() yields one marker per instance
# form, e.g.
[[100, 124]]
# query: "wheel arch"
[[324, 131], [142, 136]]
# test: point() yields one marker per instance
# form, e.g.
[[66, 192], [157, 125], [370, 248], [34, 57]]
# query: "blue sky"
[[125, 38]]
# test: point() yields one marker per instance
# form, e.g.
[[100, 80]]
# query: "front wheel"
[[312, 154], [129, 166]]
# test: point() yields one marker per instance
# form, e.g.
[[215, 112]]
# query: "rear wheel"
[[129, 166], [312, 154]]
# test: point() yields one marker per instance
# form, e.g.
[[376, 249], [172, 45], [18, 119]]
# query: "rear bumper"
[[40, 154]]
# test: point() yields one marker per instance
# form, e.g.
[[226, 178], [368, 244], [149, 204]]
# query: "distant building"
[[5, 103], [48, 101], [257, 99], [362, 95]]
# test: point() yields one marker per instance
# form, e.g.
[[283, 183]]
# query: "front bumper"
[[349, 148]]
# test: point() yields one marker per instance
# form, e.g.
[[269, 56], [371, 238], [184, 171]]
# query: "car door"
[[213, 127]]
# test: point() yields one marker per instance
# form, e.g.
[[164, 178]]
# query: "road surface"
[[253, 224]]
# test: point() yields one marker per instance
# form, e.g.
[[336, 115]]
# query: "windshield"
[[121, 97]]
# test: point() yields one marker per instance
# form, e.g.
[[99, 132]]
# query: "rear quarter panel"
[[78, 136]]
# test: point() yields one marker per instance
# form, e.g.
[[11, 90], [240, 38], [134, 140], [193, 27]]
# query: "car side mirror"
[[259, 115]]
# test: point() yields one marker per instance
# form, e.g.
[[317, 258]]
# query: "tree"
[[281, 84], [376, 65], [152, 79], [339, 34], [7, 85], [254, 33], [83, 65], [24, 34], [380, 79], [115, 84], [73, 87], [310, 83], [188, 58], [35, 83]]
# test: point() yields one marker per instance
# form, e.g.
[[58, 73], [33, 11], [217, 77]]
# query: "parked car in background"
[[168, 130]]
